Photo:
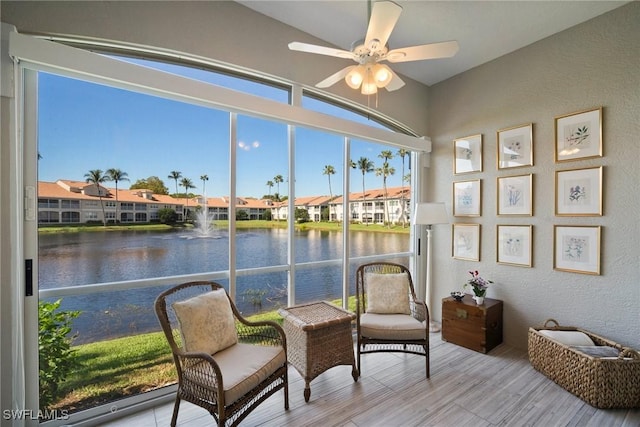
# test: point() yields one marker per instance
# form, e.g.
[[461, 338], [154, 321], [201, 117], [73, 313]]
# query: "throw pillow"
[[387, 293], [206, 322]]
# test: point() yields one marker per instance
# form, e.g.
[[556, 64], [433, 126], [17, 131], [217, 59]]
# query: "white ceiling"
[[485, 30]]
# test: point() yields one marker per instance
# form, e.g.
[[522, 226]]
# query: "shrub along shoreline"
[[324, 226]]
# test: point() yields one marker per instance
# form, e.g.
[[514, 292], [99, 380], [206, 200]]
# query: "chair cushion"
[[568, 337], [392, 327], [243, 367], [387, 293], [206, 322]]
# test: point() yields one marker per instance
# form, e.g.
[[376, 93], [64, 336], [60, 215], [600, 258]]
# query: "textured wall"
[[593, 64]]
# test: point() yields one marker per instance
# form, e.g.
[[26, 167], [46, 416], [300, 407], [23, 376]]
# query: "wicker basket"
[[601, 382]]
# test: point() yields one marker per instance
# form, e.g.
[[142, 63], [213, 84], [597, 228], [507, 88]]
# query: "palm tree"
[[204, 179], [175, 175], [270, 185], [278, 179], [96, 177], [187, 184], [365, 165], [384, 172], [329, 170], [116, 175], [402, 153]]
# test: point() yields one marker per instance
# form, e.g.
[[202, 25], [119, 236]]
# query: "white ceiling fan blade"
[[335, 78], [425, 51], [384, 16], [320, 50], [395, 83]]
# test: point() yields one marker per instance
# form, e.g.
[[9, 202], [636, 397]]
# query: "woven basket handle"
[[628, 352], [546, 324]]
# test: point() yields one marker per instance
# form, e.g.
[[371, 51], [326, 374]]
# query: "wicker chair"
[[216, 382], [381, 326]]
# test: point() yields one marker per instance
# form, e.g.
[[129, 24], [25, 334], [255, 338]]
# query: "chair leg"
[[176, 407], [286, 390], [359, 368], [426, 348]]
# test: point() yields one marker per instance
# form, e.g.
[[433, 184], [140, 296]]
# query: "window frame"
[[34, 54]]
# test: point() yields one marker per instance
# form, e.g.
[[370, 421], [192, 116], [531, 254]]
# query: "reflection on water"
[[72, 259]]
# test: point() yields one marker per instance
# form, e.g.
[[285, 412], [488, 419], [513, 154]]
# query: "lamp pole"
[[427, 291], [428, 214]]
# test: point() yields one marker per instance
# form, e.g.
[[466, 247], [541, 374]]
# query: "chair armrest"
[[419, 310], [203, 371], [264, 332]]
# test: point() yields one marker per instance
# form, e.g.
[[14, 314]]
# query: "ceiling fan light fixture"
[[369, 86], [381, 75], [355, 77]]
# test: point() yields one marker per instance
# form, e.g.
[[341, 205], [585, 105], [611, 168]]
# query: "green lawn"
[[113, 369]]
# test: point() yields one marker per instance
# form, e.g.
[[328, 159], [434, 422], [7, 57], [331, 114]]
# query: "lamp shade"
[[429, 214]]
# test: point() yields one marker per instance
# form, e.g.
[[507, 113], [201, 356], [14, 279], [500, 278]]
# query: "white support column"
[[233, 150], [346, 218]]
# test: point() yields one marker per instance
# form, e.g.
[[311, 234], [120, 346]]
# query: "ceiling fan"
[[370, 74]]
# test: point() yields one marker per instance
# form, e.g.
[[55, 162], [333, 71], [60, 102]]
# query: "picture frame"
[[514, 245], [467, 198], [579, 192], [515, 146], [465, 241], [467, 154], [515, 195], [578, 135], [576, 249]]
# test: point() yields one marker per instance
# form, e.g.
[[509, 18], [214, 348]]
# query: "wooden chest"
[[478, 327]]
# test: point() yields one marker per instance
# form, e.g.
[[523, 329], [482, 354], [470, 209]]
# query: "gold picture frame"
[[576, 248], [467, 198], [465, 241], [467, 154], [578, 135], [515, 146], [579, 192], [514, 245], [515, 195]]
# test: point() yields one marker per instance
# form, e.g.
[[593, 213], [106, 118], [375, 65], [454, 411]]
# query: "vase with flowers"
[[478, 285]]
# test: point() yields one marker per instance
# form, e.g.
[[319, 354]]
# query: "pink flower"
[[478, 284]]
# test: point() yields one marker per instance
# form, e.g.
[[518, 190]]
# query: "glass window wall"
[[181, 164]]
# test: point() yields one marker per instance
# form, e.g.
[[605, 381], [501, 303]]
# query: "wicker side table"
[[318, 338]]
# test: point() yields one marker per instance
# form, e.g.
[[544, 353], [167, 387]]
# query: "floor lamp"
[[429, 214]]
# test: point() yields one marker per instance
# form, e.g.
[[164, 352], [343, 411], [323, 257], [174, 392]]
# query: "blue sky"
[[84, 126]]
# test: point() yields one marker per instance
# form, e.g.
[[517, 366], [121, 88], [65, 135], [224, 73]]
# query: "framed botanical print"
[[514, 245], [579, 135], [467, 198], [515, 195], [577, 249], [465, 240], [467, 154], [515, 146], [579, 192]]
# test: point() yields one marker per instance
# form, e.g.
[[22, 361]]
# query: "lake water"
[[73, 259]]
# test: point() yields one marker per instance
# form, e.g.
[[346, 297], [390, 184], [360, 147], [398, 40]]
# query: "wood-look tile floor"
[[466, 389]]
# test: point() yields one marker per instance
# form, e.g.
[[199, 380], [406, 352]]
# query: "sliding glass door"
[[140, 186]]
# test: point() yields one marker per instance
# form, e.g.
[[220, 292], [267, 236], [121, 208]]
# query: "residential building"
[[79, 202]]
